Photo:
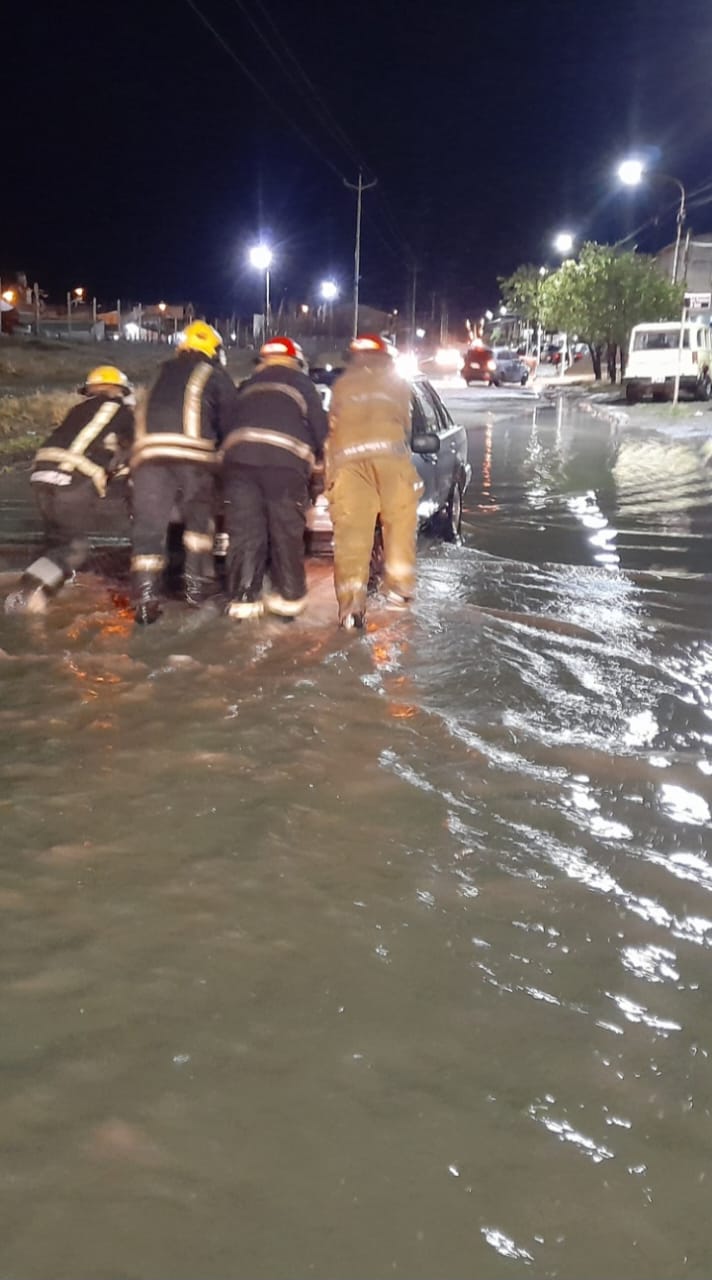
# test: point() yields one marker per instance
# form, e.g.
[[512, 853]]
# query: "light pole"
[[261, 260], [564, 243], [631, 173], [360, 187]]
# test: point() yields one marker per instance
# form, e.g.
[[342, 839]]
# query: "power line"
[[261, 89], [305, 86]]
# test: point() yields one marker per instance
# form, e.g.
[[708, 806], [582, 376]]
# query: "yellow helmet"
[[200, 336], [106, 375]]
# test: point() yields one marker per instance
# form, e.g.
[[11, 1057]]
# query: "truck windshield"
[[660, 339]]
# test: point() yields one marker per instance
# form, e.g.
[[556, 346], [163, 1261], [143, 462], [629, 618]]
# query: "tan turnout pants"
[[360, 492]]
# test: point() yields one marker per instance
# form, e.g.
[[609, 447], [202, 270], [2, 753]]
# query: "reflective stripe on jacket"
[[91, 440], [188, 412], [279, 421], [369, 416]]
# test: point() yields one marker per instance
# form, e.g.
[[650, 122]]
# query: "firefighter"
[[277, 437], [69, 479], [188, 411], [371, 474]]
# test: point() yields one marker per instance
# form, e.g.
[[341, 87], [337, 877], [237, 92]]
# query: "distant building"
[[695, 268]]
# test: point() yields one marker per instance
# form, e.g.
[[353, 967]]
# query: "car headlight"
[[448, 358]]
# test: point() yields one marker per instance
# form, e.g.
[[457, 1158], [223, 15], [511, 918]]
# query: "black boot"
[[146, 599], [197, 590]]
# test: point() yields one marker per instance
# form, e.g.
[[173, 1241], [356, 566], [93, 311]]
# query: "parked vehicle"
[[494, 366], [659, 351], [440, 456], [509, 368]]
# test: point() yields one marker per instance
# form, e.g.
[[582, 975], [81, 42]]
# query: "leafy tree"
[[602, 294], [522, 293]]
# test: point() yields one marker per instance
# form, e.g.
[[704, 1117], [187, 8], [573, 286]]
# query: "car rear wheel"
[[524, 379], [632, 394], [447, 524]]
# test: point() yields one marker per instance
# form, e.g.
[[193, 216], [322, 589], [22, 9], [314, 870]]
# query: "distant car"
[[479, 364], [510, 367], [440, 456]]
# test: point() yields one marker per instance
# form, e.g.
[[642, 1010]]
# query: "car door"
[[447, 460], [425, 418]]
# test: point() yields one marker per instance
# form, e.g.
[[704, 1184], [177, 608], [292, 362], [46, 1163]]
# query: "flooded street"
[[330, 955]]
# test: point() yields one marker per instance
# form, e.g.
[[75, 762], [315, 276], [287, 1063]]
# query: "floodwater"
[[357, 957]]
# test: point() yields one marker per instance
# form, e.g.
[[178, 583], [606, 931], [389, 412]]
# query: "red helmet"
[[285, 348]]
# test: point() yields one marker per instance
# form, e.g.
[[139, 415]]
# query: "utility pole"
[[414, 273], [360, 187]]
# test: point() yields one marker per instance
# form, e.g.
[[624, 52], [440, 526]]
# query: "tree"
[[602, 294], [522, 293]]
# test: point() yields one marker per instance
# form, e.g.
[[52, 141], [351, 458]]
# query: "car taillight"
[[492, 364]]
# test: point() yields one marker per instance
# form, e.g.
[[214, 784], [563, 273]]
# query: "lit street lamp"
[[261, 259], [329, 290], [631, 173], [564, 243]]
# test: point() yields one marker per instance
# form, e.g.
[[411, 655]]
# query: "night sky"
[[139, 161]]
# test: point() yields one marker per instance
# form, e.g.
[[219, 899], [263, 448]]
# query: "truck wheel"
[[703, 390], [632, 395]]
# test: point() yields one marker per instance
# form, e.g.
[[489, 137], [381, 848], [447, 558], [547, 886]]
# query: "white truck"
[[656, 354]]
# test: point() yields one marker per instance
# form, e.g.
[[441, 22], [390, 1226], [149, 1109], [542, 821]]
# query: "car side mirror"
[[425, 442]]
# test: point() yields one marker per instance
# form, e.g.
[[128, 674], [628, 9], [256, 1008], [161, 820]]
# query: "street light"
[[329, 290], [631, 173], [161, 307], [564, 243], [261, 260]]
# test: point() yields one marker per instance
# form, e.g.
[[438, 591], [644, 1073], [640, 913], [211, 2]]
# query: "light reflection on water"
[[339, 956]]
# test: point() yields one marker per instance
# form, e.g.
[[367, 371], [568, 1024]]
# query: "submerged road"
[[351, 957]]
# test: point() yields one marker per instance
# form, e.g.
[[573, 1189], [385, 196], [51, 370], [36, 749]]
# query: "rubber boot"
[[244, 607], [352, 622], [198, 590], [32, 596], [147, 604]]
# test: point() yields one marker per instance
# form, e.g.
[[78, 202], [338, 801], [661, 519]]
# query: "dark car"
[[440, 456], [479, 364]]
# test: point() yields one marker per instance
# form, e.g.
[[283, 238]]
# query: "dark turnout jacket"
[[278, 422], [93, 440], [188, 412]]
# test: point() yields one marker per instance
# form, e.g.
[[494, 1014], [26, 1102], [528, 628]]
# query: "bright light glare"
[[631, 172], [161, 306], [407, 364], [131, 330], [9, 295], [420, 333], [261, 257], [79, 293], [329, 290], [564, 242], [448, 358]]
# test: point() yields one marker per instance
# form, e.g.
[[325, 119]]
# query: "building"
[[695, 268]]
